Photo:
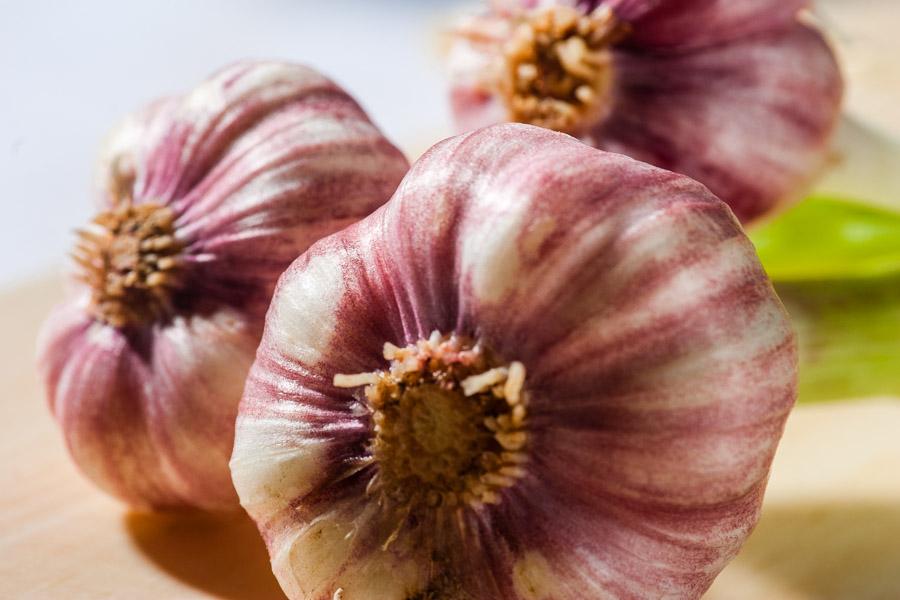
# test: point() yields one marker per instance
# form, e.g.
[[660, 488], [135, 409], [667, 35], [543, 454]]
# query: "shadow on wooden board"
[[825, 552], [829, 551], [223, 555]]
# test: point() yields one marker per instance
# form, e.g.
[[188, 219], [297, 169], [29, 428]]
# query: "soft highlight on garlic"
[[742, 95], [548, 372], [203, 200]]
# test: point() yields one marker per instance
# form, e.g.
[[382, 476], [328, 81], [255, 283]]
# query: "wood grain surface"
[[830, 527]]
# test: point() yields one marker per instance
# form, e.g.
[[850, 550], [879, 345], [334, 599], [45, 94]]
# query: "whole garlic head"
[[741, 95], [204, 200], [540, 371]]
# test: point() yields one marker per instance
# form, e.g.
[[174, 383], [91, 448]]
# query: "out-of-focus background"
[[68, 71]]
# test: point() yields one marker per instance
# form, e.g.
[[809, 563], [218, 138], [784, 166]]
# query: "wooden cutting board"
[[830, 528], [830, 525]]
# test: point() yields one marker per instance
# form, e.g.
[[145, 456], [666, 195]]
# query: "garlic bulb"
[[540, 371], [738, 94], [204, 200]]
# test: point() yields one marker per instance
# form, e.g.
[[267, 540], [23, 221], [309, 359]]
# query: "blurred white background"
[[70, 70]]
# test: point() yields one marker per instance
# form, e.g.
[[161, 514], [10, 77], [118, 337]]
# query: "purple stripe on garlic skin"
[[242, 174], [659, 368], [741, 95]]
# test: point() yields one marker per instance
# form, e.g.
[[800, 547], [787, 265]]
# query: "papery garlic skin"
[[742, 95], [656, 364], [255, 164]]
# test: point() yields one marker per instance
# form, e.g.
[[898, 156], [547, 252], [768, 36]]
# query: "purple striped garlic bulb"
[[205, 199], [738, 94], [540, 371]]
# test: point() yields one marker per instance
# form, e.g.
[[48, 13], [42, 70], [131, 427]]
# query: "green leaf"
[[849, 336], [836, 266], [827, 238]]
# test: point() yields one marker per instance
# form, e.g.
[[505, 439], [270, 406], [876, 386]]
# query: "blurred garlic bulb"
[[205, 199], [540, 371], [741, 95]]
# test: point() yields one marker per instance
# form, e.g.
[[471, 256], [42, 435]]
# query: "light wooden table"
[[830, 526]]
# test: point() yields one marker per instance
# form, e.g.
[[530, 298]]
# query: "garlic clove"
[[198, 361], [631, 458], [298, 460], [691, 23], [313, 556], [126, 147], [754, 141], [156, 438], [265, 221], [98, 400]]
